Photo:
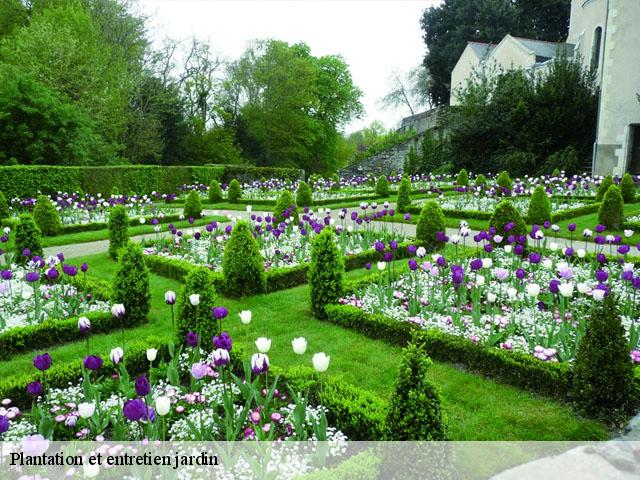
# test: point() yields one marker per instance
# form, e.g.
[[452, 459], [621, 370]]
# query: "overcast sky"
[[374, 37]]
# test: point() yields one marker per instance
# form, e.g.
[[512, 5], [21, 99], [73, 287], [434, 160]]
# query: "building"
[[605, 35]]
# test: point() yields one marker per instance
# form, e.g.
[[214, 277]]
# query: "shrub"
[[192, 205], [234, 192], [604, 186], [382, 186], [506, 213], [611, 213], [198, 318], [28, 237], [431, 222], [566, 160], [518, 162], [415, 412], [131, 284], [504, 180], [335, 182], [215, 192], [118, 230], [285, 208], [481, 180], [303, 196], [627, 186], [404, 195], [242, 264], [603, 372], [555, 173], [325, 272], [4, 207], [539, 207], [463, 178], [47, 217]]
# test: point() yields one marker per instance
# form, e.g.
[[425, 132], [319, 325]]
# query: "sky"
[[374, 37]]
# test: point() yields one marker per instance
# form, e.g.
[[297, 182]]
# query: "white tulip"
[[587, 233], [421, 252], [163, 406], [512, 293], [382, 265], [142, 220], [249, 208], [86, 409], [194, 299], [582, 253], [118, 310], [487, 263], [455, 240], [480, 280], [533, 290], [583, 288], [498, 238], [263, 344], [491, 297], [553, 246], [152, 353], [598, 295], [627, 267], [116, 355], [566, 289], [84, 323], [320, 362], [547, 263], [245, 317], [628, 233], [299, 345], [508, 248]]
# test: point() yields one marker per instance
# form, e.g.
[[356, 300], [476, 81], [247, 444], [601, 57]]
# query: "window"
[[595, 53]]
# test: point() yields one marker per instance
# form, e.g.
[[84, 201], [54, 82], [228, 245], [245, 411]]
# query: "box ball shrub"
[[604, 186], [627, 186], [539, 207], [215, 192], [415, 410], [431, 222], [303, 195], [192, 205], [285, 208], [504, 180], [603, 371], [47, 217], [118, 230], [242, 264], [462, 179], [197, 318], [481, 181], [131, 284], [382, 186], [28, 237], [404, 195], [611, 212], [234, 192], [326, 272], [506, 213], [4, 207]]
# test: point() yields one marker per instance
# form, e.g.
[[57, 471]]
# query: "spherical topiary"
[[4, 207], [197, 318], [602, 371], [325, 272], [118, 230], [47, 217], [507, 214], [404, 195], [604, 186], [285, 208], [627, 186], [234, 192], [131, 285], [539, 207], [303, 195], [192, 205], [415, 410], [611, 212], [242, 264], [504, 180], [463, 178], [382, 186], [481, 181], [335, 182], [431, 222], [28, 239], [215, 192]]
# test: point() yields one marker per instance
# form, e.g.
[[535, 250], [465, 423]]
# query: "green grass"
[[477, 408]]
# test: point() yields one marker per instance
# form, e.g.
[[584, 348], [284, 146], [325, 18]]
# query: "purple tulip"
[[6, 274], [42, 362], [572, 227], [601, 258], [520, 273], [134, 410], [413, 265], [223, 341], [228, 229], [476, 264], [70, 270], [4, 424], [534, 257], [34, 389], [60, 256], [601, 276], [393, 245], [26, 252], [32, 277], [441, 261], [219, 312], [569, 252], [52, 273], [554, 286], [412, 249], [387, 257], [92, 362], [600, 228], [192, 339], [84, 267], [142, 386]]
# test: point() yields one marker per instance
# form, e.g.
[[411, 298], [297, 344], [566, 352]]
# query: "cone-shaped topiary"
[[602, 371], [47, 217], [285, 208], [555, 173], [118, 230], [539, 207], [382, 186], [325, 272], [197, 318], [627, 186], [192, 205], [463, 178], [404, 195], [415, 410], [4, 207], [28, 239], [131, 285], [431, 222], [504, 180], [242, 264], [611, 212], [215, 192], [303, 195], [481, 181], [335, 182], [507, 214], [604, 186], [234, 192]]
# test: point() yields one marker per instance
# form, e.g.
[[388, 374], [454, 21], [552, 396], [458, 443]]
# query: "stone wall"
[[387, 161]]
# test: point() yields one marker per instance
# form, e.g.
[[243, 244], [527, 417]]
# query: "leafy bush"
[[404, 195], [118, 229], [303, 196], [192, 205], [47, 217], [215, 192], [325, 272], [463, 178], [415, 411], [242, 264], [504, 180], [28, 237], [518, 162], [603, 372], [627, 186], [131, 284], [611, 213], [539, 207], [382, 186], [335, 182], [506, 213], [481, 180], [285, 208], [555, 173], [198, 318], [234, 192], [431, 222], [566, 160], [4, 207], [604, 186]]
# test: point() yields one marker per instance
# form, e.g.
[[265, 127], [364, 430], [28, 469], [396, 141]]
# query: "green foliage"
[[234, 192], [131, 285], [118, 230], [504, 180], [325, 272], [505, 213], [555, 173], [404, 195], [519, 163], [481, 180], [463, 178], [198, 318], [627, 186], [4, 207], [192, 205], [47, 217], [375, 138], [382, 186], [215, 192], [28, 237], [565, 160], [242, 264], [539, 207], [415, 411], [431, 222], [303, 195], [285, 207], [604, 187], [603, 372], [412, 162], [335, 182], [611, 213]]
